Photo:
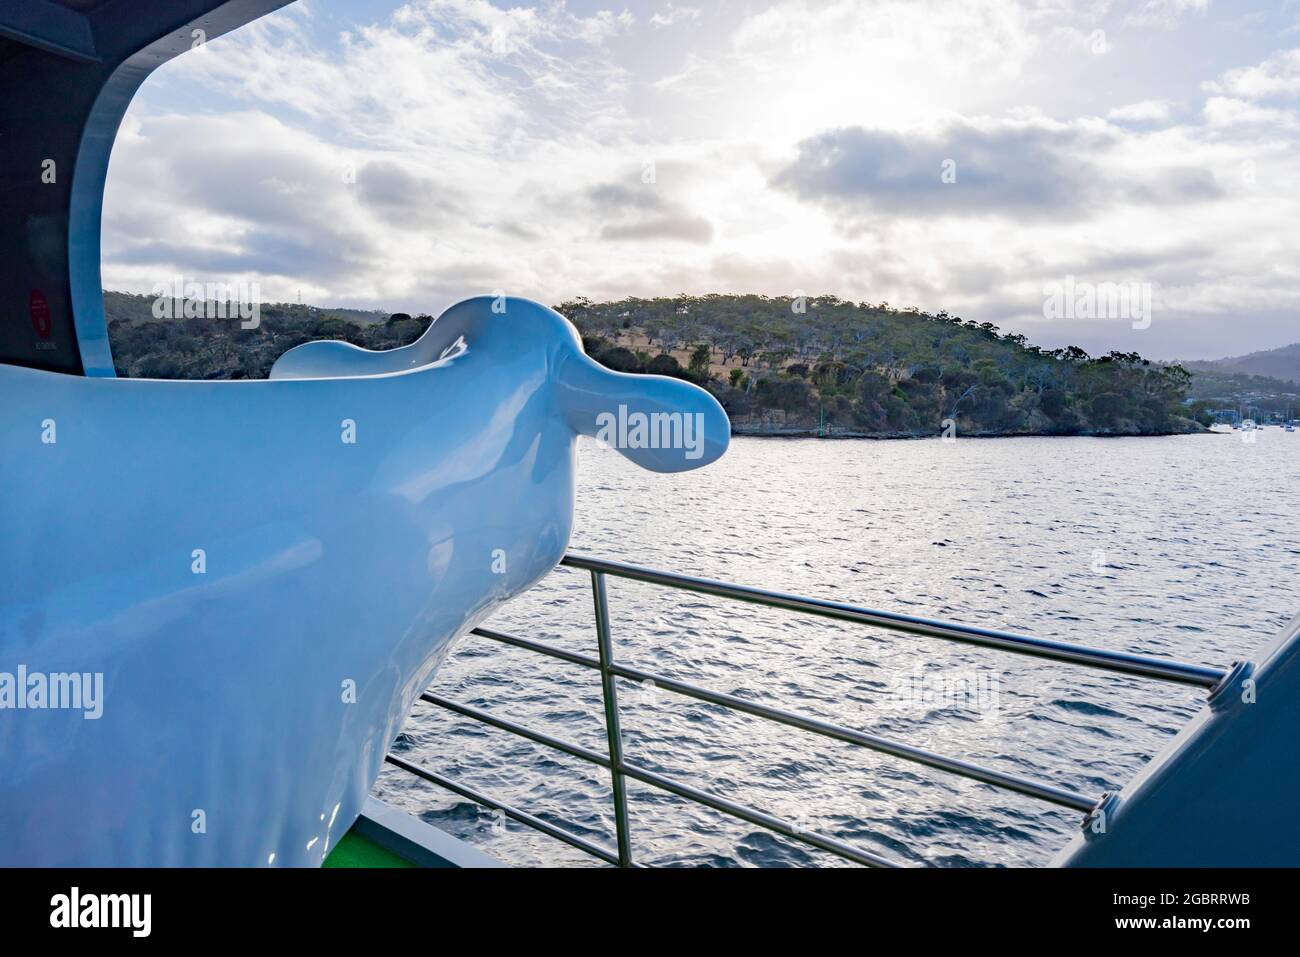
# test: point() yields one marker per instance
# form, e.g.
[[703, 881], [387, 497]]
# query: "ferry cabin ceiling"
[[68, 71]]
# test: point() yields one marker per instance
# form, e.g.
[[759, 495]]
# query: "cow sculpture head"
[[660, 423]]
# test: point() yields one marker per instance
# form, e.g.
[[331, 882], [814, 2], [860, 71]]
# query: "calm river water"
[[1185, 546]]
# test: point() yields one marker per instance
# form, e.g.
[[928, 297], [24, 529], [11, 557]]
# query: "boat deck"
[[384, 837], [357, 850]]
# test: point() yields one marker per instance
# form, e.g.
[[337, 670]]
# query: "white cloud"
[[1279, 75], [1224, 111], [792, 145], [802, 63], [1138, 112], [672, 14]]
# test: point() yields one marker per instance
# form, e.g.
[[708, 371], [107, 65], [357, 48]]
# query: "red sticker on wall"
[[40, 310]]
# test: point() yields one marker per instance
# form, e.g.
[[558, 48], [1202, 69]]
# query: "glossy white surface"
[[229, 732]]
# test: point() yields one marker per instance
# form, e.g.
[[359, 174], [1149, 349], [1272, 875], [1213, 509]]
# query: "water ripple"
[[1178, 546]]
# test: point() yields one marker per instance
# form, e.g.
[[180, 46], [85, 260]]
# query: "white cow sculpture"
[[219, 600]]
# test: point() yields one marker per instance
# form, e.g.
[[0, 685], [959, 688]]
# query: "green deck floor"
[[357, 851]]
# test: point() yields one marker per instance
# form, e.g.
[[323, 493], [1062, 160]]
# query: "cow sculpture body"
[[251, 582]]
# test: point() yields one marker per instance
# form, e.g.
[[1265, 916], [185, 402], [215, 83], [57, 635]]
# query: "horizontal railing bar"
[[523, 817], [833, 845], [649, 777], [1011, 782], [538, 646], [1165, 669], [478, 714]]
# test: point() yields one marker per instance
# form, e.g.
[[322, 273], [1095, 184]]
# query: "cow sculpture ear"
[[661, 424]]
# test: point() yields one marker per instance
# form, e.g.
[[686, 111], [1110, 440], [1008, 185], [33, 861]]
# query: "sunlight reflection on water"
[[1184, 546]]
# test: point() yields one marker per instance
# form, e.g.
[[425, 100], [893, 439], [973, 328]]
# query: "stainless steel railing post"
[[613, 731]]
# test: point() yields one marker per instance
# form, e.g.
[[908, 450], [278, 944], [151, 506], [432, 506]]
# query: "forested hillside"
[[778, 365], [828, 365], [199, 348]]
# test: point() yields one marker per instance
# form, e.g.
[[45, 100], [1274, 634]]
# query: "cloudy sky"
[[390, 155]]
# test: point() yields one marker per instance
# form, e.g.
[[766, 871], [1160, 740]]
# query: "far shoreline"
[[892, 436]]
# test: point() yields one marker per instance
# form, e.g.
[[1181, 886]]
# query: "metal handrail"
[[1165, 669], [645, 776], [620, 768], [826, 729], [523, 817]]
